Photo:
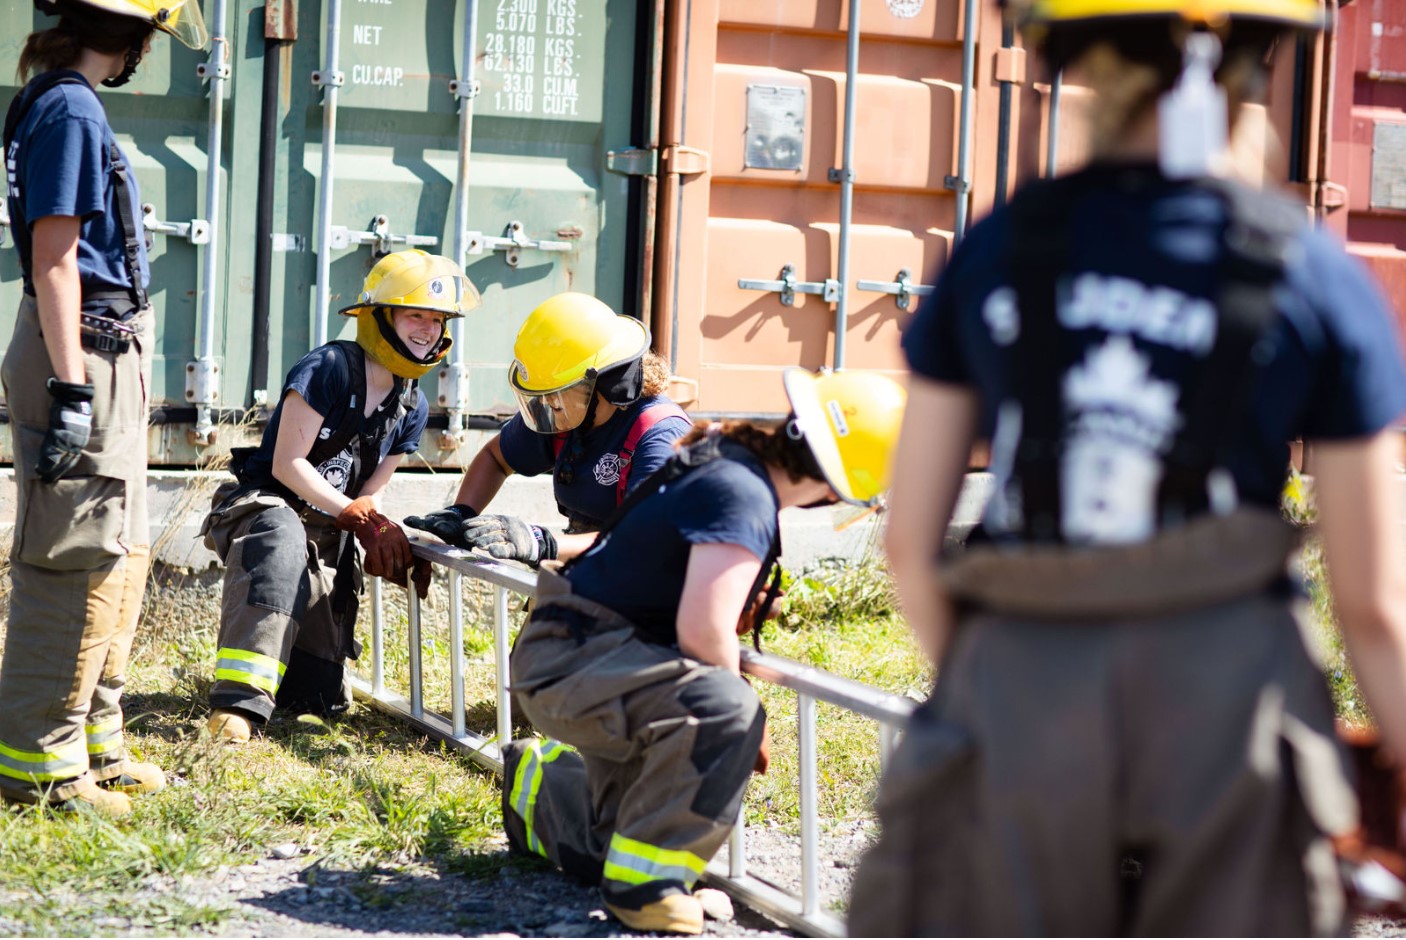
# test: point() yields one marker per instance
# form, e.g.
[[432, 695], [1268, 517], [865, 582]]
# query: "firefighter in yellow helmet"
[[592, 412], [75, 374], [287, 528], [630, 660], [1127, 733]]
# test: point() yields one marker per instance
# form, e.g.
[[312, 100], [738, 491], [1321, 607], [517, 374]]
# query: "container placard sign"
[[541, 59], [398, 54]]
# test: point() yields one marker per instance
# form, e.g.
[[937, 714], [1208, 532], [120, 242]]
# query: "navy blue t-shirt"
[[323, 378], [60, 166], [1139, 306], [590, 498], [637, 569]]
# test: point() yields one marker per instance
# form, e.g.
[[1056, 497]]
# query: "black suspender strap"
[[1042, 353], [1258, 232], [131, 247]]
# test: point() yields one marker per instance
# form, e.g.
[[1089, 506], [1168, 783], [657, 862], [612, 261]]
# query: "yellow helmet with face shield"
[[850, 422], [179, 18], [1302, 13], [563, 347], [409, 280]]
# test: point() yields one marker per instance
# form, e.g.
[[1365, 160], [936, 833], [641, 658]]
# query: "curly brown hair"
[[772, 445], [656, 374]]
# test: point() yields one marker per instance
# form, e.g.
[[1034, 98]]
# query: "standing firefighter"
[[630, 660], [1121, 678], [593, 412], [349, 413], [75, 377]]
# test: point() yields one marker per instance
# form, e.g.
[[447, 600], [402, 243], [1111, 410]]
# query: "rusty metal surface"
[[281, 20]]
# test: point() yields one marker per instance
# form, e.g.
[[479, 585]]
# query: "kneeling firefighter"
[[349, 413], [1122, 678], [630, 660], [592, 412], [76, 375]]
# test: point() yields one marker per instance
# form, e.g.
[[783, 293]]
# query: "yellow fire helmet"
[[1306, 14], [179, 18], [410, 279], [850, 421], [563, 346]]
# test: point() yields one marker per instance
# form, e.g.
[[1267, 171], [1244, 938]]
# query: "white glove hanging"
[[1191, 118]]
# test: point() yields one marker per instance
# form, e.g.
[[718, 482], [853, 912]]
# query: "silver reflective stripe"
[[631, 862], [34, 766], [105, 736]]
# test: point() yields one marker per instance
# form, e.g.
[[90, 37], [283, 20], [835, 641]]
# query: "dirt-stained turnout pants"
[[1200, 744], [649, 752], [285, 626], [78, 570]]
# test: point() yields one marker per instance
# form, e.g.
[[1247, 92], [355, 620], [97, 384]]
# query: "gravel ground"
[[290, 894]]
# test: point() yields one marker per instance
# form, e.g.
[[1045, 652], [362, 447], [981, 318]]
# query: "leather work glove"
[[420, 577], [387, 549], [749, 613], [70, 427], [508, 537], [764, 755], [446, 524]]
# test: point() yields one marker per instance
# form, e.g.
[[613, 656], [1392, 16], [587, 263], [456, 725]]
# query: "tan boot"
[[229, 727], [136, 777], [676, 913], [95, 797]]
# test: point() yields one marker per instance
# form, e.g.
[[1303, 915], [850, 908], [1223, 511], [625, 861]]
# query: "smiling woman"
[[349, 414]]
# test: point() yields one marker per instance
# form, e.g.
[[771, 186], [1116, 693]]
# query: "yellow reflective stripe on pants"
[[43, 767], [528, 780], [632, 862], [105, 736], [256, 669]]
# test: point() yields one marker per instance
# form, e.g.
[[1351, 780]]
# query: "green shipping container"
[[556, 88]]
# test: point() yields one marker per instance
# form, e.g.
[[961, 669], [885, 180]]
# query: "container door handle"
[[788, 287], [513, 240], [380, 237], [196, 231], [901, 286]]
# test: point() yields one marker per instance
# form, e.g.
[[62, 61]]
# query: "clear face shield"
[[555, 411]]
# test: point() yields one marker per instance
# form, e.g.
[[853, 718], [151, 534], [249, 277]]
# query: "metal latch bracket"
[[902, 287], [380, 237], [788, 287], [196, 231], [512, 242]]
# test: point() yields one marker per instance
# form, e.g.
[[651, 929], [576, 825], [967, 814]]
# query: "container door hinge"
[[1332, 195], [685, 161], [380, 237], [196, 231], [788, 287], [901, 286], [514, 239], [637, 161]]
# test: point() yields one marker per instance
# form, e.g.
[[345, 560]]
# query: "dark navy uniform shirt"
[[323, 378], [60, 166], [637, 569], [590, 498], [1138, 303]]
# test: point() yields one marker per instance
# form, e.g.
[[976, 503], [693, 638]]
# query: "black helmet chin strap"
[[129, 66]]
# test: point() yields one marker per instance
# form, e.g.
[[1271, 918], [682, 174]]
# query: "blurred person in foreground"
[[1121, 678]]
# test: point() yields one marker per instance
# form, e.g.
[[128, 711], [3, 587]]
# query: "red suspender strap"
[[647, 419]]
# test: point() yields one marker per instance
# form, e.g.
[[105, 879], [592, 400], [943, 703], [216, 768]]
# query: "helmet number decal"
[[837, 418]]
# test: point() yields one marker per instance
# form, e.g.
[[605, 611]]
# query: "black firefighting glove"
[[70, 426], [508, 537], [446, 524]]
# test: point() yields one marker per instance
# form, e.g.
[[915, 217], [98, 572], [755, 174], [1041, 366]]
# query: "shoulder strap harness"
[[687, 460], [646, 419], [121, 175], [1254, 244]]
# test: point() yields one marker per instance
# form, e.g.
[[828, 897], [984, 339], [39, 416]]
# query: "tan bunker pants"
[[1200, 744], [660, 749], [286, 626], [78, 570]]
